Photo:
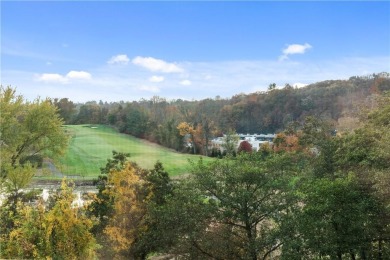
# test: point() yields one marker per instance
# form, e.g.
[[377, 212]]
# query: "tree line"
[[167, 122]]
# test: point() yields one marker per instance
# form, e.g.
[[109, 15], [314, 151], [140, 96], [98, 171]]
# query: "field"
[[91, 146]]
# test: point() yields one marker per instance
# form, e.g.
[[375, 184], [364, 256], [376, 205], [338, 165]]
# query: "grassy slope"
[[90, 148]]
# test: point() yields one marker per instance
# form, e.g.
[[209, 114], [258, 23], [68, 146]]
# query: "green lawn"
[[90, 147]]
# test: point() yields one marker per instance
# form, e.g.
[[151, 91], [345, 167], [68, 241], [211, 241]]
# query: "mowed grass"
[[91, 146]]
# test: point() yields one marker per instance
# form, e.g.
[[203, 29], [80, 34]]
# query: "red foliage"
[[245, 146]]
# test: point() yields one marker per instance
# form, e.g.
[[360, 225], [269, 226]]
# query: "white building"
[[255, 140]]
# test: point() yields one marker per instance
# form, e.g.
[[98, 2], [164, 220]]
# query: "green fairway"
[[90, 147]]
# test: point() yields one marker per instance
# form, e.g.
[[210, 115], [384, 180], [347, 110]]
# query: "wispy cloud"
[[156, 79], [294, 49], [120, 59], [156, 65]]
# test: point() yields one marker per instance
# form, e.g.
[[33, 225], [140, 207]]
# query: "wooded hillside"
[[270, 111]]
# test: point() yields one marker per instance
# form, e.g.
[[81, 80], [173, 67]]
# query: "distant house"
[[255, 140]]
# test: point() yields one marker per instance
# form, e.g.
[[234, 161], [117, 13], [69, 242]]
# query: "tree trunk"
[[251, 240], [380, 241], [193, 143]]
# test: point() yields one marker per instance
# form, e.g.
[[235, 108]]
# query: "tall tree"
[[187, 129], [233, 208], [128, 190], [28, 129], [102, 206], [66, 109], [160, 189]]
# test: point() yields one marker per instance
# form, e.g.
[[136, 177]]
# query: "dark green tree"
[[234, 208], [66, 109], [338, 220], [160, 188]]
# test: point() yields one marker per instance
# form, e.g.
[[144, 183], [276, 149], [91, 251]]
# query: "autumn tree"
[[127, 188], [244, 146], [29, 131], [68, 233], [122, 207], [187, 129], [101, 207], [62, 232], [22, 231], [284, 142]]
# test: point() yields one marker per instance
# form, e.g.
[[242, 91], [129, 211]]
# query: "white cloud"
[[228, 78], [58, 78], [78, 75], [156, 79], [153, 64], [51, 77], [149, 89], [185, 82], [294, 49], [120, 59]]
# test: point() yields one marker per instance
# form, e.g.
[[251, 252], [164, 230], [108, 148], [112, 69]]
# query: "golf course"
[[91, 145]]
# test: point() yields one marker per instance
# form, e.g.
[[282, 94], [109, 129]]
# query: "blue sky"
[[122, 50]]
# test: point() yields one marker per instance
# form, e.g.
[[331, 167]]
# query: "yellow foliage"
[[67, 231], [185, 129], [127, 188]]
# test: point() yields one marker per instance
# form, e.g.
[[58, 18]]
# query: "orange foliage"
[[287, 143]]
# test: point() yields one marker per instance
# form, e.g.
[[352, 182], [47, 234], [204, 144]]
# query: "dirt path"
[[54, 171]]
